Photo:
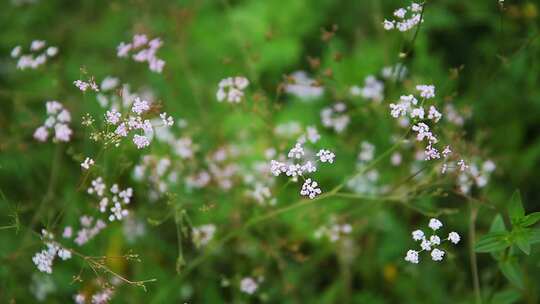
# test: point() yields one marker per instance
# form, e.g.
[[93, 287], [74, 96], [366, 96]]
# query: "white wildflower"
[[412, 256], [437, 254]]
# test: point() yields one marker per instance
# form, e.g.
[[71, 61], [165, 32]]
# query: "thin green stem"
[[472, 254]]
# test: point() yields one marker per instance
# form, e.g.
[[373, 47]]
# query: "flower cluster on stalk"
[[301, 162], [406, 18], [231, 89], [112, 201], [430, 243], [45, 258], [58, 119], [37, 56], [144, 49], [335, 117]]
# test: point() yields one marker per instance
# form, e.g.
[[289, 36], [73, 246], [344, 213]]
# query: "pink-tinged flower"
[[41, 134], [123, 49], [145, 51], [62, 132], [140, 141]]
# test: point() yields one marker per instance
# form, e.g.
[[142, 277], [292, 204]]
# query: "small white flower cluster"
[[145, 51], [158, 172], [289, 129], [391, 72], [453, 116], [249, 285], [117, 197], [101, 297], [478, 175], [198, 180], [87, 163], [58, 119], [333, 231], [108, 97], [85, 85], [367, 152], [202, 235], [300, 163], [41, 286], [428, 244], [373, 89], [403, 22], [410, 107], [45, 258], [365, 183], [222, 167], [231, 89], [303, 87], [335, 117], [259, 180], [28, 60], [88, 231], [133, 228], [108, 83], [184, 147], [167, 120], [261, 194], [124, 125]]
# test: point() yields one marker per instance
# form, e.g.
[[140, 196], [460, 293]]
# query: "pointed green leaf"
[[530, 219], [493, 241], [511, 270], [515, 208], [522, 241], [497, 225]]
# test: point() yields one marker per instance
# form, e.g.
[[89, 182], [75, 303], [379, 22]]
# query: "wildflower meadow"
[[268, 151]]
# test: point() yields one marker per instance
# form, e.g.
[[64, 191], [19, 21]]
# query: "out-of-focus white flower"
[[57, 120], [426, 91], [373, 89], [87, 163], [303, 87], [231, 89], [335, 117], [202, 235], [145, 51], [248, 285]]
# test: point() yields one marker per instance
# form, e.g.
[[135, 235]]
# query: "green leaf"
[[530, 219], [535, 236], [493, 241], [515, 208], [511, 270], [522, 239], [497, 225], [507, 296]]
